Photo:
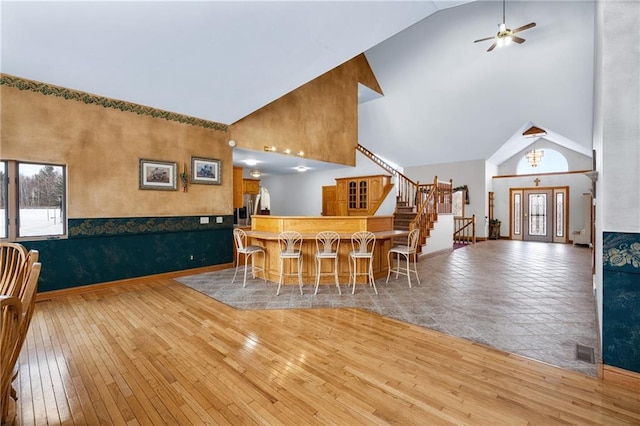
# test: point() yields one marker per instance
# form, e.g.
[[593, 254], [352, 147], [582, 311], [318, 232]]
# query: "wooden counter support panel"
[[265, 230]]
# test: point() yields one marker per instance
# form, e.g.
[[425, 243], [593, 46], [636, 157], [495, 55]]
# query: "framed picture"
[[205, 170], [158, 175]]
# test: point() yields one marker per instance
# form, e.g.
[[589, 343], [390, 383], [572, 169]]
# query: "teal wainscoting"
[[621, 300], [103, 250]]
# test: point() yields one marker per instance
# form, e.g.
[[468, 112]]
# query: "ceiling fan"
[[505, 35]]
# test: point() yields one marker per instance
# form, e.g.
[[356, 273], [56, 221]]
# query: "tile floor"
[[531, 299]]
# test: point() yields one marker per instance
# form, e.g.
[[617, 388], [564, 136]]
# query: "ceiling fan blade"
[[493, 46], [524, 27], [517, 39], [485, 39]]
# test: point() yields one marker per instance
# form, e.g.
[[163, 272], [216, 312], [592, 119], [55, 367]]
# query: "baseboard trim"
[[46, 295], [619, 376]]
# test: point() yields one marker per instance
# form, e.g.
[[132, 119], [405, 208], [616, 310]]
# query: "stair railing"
[[408, 190], [464, 230]]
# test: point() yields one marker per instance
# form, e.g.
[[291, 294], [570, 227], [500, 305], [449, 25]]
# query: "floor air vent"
[[585, 353]]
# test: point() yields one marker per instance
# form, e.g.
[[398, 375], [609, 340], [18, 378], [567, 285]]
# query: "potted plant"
[[494, 228]]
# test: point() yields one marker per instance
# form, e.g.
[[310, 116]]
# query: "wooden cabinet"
[[251, 186], [360, 196], [237, 187]]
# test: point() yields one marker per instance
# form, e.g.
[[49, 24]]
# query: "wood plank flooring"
[[157, 352]]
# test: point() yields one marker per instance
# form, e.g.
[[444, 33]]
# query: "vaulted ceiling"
[[446, 98]]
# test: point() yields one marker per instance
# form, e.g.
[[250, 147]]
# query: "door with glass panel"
[[539, 214]]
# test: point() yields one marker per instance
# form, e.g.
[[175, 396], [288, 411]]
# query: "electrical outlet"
[[204, 220], [218, 219], [191, 257]]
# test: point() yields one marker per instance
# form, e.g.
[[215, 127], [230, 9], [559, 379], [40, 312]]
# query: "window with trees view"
[[33, 200]]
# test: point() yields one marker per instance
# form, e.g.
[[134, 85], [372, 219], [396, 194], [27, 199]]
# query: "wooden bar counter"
[[265, 230]]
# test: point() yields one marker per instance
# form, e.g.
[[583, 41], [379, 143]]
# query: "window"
[[33, 200]]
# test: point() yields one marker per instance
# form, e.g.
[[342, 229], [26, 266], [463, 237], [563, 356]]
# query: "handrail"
[[427, 213], [464, 230], [407, 188]]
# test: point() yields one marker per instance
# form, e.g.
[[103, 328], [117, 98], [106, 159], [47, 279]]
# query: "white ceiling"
[[446, 99]]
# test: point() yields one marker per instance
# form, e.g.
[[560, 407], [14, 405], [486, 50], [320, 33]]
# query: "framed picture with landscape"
[[160, 175], [205, 170]]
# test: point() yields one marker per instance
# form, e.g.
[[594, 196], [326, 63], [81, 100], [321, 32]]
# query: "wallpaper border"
[[109, 227], [89, 99]]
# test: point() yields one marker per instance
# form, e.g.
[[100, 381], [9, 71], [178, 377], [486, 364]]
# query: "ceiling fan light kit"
[[505, 35]]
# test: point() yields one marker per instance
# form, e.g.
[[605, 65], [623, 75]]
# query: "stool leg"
[[372, 280], [408, 270], [244, 281], [237, 264], [335, 273], [415, 266], [390, 264], [280, 279], [300, 273], [318, 264], [355, 274]]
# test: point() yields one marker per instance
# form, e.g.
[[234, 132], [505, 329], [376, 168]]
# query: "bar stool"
[[362, 245], [290, 244], [327, 245], [240, 238], [408, 252]]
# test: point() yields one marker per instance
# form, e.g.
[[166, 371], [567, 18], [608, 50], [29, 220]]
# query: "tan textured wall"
[[319, 118], [101, 148]]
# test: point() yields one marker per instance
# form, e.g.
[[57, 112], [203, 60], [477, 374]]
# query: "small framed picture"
[[205, 170], [158, 175]]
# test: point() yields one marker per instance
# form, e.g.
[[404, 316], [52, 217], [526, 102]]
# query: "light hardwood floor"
[[156, 352]]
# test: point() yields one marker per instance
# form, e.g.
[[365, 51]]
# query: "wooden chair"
[[327, 245], [16, 311], [362, 246], [12, 262], [409, 251]]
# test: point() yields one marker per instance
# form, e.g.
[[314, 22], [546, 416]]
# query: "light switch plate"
[[204, 220], [219, 219]]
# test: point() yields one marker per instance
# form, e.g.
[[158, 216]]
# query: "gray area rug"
[[530, 299]]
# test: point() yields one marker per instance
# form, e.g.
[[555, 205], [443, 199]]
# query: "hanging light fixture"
[[534, 157]]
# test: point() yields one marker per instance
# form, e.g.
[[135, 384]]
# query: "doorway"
[[539, 214]]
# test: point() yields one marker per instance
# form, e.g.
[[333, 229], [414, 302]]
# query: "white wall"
[[616, 134], [470, 173], [300, 194], [578, 185], [441, 236]]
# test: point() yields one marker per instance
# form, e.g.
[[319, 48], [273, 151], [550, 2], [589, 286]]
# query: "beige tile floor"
[[531, 299]]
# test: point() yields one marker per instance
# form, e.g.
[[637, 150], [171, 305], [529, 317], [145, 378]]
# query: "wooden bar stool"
[[407, 252], [240, 238], [290, 244], [362, 245], [327, 245]]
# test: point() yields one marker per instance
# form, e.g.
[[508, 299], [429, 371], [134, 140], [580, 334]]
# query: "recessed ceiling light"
[[250, 162], [302, 168], [255, 174]]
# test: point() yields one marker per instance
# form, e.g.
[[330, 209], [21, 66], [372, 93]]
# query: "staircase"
[[417, 205]]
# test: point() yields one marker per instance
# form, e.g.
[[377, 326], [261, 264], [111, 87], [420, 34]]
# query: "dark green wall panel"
[[96, 256], [621, 300]]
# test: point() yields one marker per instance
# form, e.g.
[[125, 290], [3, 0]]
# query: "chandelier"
[[534, 157]]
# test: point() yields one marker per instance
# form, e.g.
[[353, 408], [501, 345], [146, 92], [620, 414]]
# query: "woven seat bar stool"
[[249, 251], [327, 245], [290, 244], [362, 245], [409, 251]]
